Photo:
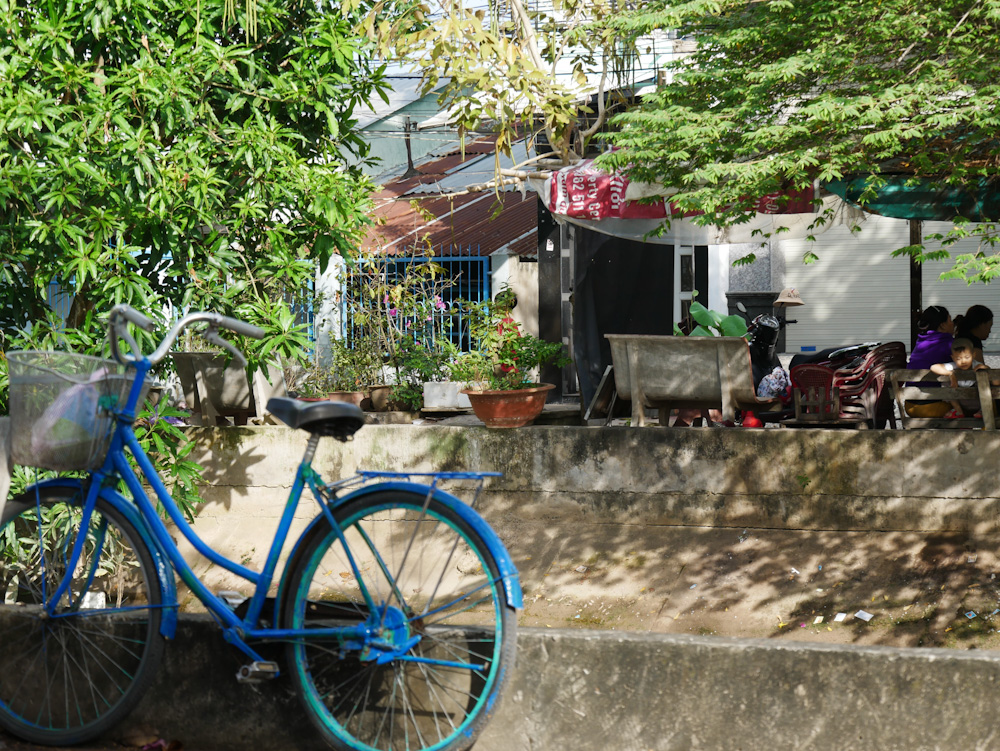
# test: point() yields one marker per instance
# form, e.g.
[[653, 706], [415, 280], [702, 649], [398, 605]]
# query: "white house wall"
[[955, 294], [858, 292], [522, 278], [327, 318], [855, 292], [718, 277]]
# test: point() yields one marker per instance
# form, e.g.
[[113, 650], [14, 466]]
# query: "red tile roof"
[[480, 223]]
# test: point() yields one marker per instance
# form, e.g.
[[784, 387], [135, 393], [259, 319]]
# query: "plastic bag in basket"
[[65, 433]]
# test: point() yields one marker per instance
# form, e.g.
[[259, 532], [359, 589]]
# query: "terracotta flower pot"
[[354, 397], [380, 396], [509, 409]]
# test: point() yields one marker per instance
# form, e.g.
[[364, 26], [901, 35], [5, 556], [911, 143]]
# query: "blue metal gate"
[[467, 279]]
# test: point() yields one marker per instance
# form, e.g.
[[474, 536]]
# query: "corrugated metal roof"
[[453, 225]]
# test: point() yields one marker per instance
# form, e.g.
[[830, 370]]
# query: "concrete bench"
[[908, 387], [685, 372]]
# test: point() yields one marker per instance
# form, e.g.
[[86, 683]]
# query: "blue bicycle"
[[397, 604]]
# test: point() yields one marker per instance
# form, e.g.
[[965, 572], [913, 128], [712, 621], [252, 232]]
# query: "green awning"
[[921, 200]]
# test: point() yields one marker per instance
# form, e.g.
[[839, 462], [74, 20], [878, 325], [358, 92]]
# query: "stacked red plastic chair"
[[864, 388]]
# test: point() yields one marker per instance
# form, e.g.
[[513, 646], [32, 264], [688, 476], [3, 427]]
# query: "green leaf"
[[734, 326], [704, 316]]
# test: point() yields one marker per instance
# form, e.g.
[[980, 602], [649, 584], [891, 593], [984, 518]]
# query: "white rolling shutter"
[[955, 294], [855, 292]]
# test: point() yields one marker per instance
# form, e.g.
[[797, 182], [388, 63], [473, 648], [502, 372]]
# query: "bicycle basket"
[[62, 408]]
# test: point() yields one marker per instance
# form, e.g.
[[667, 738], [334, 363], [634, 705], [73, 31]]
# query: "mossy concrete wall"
[[581, 487], [583, 484], [845, 479]]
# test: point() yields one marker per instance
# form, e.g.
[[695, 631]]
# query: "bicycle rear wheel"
[[442, 637], [69, 677]]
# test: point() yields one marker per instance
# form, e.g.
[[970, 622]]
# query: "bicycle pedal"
[[257, 672]]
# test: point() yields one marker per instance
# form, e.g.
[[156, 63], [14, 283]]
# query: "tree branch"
[[524, 21], [601, 106], [962, 19]]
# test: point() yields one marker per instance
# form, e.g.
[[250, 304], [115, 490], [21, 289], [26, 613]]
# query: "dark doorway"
[[621, 287]]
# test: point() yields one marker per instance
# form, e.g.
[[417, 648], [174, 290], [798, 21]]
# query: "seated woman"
[[975, 326], [933, 347], [934, 340]]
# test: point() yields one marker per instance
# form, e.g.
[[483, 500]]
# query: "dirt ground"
[[921, 590]]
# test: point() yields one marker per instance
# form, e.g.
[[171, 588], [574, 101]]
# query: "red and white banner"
[[609, 203], [584, 192]]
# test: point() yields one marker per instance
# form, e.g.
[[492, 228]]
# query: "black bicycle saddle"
[[339, 420]]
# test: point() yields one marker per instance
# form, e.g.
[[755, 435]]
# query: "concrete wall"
[[595, 691], [599, 690], [818, 479], [586, 490]]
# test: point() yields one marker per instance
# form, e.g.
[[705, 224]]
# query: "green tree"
[[777, 94], [151, 152], [510, 66]]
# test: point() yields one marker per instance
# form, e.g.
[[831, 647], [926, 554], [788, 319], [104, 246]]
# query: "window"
[[463, 278], [683, 285]]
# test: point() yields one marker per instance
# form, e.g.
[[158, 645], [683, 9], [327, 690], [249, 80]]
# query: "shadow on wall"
[[671, 521]]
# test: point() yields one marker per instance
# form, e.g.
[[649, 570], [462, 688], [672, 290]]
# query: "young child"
[[962, 370]]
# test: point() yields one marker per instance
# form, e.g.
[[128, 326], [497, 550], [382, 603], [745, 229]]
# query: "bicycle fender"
[[508, 571], [164, 570]]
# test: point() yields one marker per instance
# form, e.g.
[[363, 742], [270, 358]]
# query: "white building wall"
[[858, 292], [718, 277], [327, 319], [955, 294], [522, 277], [855, 292]]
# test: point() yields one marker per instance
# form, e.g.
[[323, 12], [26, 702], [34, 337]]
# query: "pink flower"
[[438, 303], [392, 312]]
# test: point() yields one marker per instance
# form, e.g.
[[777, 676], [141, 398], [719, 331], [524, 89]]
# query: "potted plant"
[[503, 366], [404, 310], [344, 375], [415, 361]]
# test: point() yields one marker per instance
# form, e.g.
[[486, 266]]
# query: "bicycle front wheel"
[[68, 675], [440, 637]]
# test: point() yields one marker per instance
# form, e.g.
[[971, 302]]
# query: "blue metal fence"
[[465, 277], [59, 297]]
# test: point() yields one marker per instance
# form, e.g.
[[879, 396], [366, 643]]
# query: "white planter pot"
[[445, 395]]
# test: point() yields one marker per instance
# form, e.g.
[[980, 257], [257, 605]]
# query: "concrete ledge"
[[783, 479], [608, 690]]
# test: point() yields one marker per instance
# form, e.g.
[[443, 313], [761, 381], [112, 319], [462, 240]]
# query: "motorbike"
[[763, 332]]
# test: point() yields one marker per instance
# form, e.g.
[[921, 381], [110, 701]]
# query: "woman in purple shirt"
[[934, 340]]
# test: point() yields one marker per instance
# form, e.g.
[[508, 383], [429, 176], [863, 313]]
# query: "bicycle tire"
[[454, 602], [68, 679]]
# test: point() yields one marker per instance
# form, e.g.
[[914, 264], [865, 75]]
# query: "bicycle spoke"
[[68, 678], [437, 595]]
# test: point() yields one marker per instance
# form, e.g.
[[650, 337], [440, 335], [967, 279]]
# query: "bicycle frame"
[[236, 630]]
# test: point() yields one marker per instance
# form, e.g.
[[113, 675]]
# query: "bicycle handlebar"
[[136, 317], [124, 314]]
